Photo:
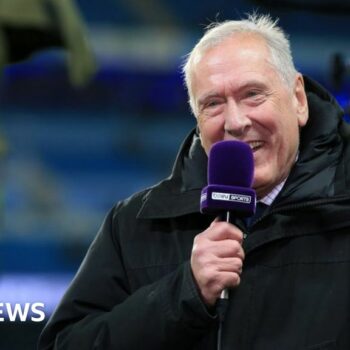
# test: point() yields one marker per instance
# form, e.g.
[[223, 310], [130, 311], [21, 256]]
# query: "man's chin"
[[262, 186]]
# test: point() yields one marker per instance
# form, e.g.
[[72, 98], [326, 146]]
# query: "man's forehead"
[[240, 40]]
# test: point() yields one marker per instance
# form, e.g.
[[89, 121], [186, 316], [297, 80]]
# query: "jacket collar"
[[320, 147], [179, 194]]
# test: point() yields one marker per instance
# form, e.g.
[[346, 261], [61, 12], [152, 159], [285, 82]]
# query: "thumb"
[[216, 220]]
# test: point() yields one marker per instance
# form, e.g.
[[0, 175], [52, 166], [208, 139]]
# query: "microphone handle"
[[222, 302], [224, 294]]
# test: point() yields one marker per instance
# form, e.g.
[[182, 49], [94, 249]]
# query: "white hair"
[[263, 25]]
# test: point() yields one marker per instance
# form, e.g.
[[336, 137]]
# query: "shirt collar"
[[270, 197]]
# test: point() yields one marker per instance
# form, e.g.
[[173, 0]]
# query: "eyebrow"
[[251, 83], [209, 95]]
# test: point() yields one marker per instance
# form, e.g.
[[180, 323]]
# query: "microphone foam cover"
[[231, 163]]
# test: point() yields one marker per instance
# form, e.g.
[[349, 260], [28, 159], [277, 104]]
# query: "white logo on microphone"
[[231, 197]]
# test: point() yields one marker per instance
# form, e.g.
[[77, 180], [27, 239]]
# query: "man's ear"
[[301, 104]]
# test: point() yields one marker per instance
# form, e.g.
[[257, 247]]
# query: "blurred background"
[[93, 108]]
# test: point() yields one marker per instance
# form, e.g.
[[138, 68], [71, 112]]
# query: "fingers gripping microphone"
[[229, 192]]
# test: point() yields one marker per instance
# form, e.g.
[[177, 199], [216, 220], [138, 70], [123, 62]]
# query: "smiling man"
[[239, 94], [153, 275]]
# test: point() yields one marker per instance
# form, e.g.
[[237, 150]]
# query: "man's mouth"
[[255, 145]]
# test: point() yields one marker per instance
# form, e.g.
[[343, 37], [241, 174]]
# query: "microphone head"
[[230, 177], [231, 163]]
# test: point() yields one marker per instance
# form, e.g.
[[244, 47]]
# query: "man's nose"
[[236, 121]]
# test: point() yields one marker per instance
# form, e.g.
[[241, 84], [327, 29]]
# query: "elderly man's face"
[[240, 96]]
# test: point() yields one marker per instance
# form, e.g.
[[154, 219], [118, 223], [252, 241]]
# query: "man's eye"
[[254, 97], [252, 93], [212, 104]]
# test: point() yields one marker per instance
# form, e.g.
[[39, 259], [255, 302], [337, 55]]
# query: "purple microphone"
[[230, 177]]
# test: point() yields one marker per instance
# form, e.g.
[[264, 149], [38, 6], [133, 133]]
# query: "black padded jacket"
[[134, 289]]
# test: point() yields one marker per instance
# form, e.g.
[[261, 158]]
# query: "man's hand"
[[217, 259]]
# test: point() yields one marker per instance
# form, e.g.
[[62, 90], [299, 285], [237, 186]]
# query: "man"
[[154, 272]]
